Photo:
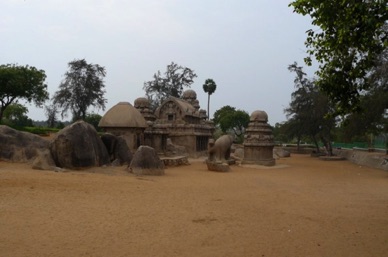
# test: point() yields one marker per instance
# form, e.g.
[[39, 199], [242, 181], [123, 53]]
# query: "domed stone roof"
[[123, 115], [142, 102], [259, 116], [189, 94]]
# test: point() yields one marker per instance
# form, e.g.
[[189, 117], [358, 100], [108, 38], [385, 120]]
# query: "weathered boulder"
[[117, 148], [18, 146], [44, 161], [78, 146], [146, 161]]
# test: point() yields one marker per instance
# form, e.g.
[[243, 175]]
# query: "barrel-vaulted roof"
[[123, 115], [186, 108]]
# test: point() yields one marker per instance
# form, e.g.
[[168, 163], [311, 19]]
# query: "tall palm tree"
[[209, 87]]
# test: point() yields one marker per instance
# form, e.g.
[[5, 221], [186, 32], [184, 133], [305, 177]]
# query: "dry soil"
[[302, 207]]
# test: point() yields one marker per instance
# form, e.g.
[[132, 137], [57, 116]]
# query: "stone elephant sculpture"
[[220, 149]]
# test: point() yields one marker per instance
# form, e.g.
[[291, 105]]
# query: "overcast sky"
[[245, 46]]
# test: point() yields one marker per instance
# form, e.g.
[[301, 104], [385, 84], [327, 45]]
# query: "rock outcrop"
[[18, 146], [146, 162], [117, 148], [78, 146]]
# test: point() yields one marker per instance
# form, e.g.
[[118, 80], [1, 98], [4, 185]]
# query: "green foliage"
[[229, 119], [310, 111], [209, 87], [349, 38], [43, 131], [82, 87], [21, 82], [93, 119], [15, 116], [280, 133], [176, 78], [372, 118]]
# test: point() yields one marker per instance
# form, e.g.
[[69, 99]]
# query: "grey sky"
[[244, 45]]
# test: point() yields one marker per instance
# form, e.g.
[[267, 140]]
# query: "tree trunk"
[[208, 104], [2, 109], [328, 146], [298, 144], [316, 144]]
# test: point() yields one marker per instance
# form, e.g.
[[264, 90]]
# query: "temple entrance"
[[202, 142]]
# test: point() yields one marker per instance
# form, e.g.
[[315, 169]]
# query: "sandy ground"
[[303, 207]]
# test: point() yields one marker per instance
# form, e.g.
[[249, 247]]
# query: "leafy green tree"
[[16, 115], [21, 83], [82, 88], [310, 111], [93, 119], [229, 119], [349, 38], [175, 79], [278, 133], [372, 118], [209, 87], [292, 129]]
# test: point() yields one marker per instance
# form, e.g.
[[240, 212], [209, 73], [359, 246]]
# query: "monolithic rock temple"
[[180, 122], [258, 141], [178, 119]]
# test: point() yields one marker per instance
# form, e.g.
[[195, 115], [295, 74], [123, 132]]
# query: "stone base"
[[332, 158], [270, 162], [217, 166], [175, 161]]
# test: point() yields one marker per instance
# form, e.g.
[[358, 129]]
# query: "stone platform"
[[175, 161]]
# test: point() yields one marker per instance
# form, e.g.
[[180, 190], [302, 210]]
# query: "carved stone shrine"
[[258, 141]]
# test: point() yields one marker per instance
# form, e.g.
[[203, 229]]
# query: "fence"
[[378, 143]]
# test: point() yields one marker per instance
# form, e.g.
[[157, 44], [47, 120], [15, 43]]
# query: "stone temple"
[[178, 119], [259, 141]]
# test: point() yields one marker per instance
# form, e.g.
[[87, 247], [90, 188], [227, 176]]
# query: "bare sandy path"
[[307, 207]]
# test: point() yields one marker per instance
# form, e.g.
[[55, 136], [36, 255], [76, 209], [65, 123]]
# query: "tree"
[[229, 119], [93, 119], [82, 87], [374, 103], [280, 133], [350, 37], [21, 82], [310, 111], [51, 112], [16, 115], [176, 78], [209, 87]]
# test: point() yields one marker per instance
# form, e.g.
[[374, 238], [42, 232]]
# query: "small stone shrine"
[[258, 141]]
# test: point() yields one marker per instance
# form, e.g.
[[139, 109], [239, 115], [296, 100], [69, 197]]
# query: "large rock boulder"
[[146, 162], [18, 146], [117, 148], [78, 146]]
